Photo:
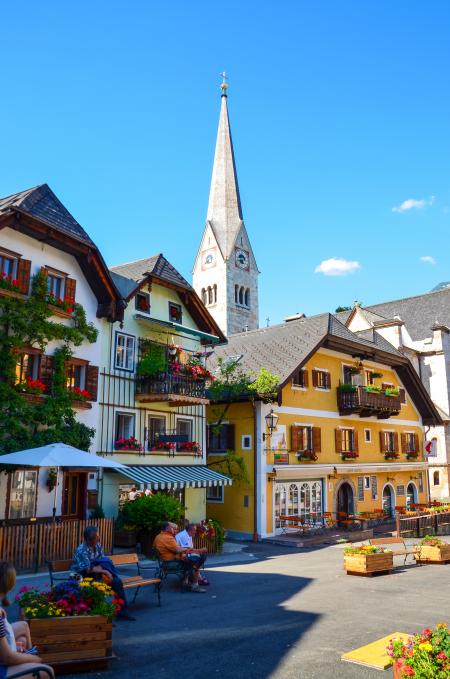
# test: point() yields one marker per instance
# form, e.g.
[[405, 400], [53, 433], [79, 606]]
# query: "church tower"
[[225, 274]]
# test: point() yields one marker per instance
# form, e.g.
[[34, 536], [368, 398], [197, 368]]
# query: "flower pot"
[[77, 640], [368, 564], [440, 554], [125, 538]]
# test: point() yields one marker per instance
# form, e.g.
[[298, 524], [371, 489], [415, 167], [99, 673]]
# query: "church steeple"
[[225, 274]]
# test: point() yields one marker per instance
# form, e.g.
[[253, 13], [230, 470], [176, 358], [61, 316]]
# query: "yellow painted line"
[[375, 654]]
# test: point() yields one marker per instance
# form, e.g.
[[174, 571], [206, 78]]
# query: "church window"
[[236, 293], [436, 479], [241, 296], [210, 295], [247, 297], [214, 293], [204, 300]]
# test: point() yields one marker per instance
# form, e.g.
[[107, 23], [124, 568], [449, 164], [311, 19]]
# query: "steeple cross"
[[224, 85], [224, 77]]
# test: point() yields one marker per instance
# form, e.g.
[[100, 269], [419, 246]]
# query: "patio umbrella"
[[57, 455]]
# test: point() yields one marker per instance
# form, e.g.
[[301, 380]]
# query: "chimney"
[[295, 317]]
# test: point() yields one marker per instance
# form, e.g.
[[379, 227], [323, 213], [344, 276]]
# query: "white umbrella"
[[57, 455]]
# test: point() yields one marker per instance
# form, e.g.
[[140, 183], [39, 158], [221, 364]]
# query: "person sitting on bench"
[[89, 560], [185, 539], [169, 550]]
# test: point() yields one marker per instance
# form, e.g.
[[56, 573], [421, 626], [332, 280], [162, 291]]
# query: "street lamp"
[[271, 423]]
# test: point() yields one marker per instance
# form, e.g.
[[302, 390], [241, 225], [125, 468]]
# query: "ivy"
[[28, 322]]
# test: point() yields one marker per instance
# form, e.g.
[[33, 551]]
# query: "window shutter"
[[360, 488], [404, 442], [373, 486], [92, 381], [338, 440], [327, 380], [230, 444], [316, 439], [314, 378], [355, 441], [382, 442], [304, 374], [416, 443], [23, 275], [395, 442], [46, 372], [295, 438], [402, 395], [69, 291]]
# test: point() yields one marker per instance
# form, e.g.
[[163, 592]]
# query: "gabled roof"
[[41, 202], [157, 265], [284, 348]]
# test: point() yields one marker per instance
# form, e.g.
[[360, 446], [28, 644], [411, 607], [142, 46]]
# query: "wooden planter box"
[[428, 554], [72, 643], [368, 564]]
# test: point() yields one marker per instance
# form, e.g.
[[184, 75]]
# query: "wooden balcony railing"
[[179, 389], [367, 403]]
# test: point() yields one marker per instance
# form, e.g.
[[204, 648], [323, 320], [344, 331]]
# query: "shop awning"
[[160, 477], [178, 327]]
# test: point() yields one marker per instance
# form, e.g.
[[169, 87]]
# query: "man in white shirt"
[[133, 494], [185, 540]]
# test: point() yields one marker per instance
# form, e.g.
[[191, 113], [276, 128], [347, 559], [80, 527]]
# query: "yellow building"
[[349, 436]]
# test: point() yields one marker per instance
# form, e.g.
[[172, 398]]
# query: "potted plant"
[[391, 391], [153, 361], [373, 389], [190, 447], [349, 455], [9, 283], [432, 550], [309, 455], [130, 443], [52, 480], [59, 303], [347, 388], [30, 386], [367, 559], [65, 612], [424, 655], [148, 513]]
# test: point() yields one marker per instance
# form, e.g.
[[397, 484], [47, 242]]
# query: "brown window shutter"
[[316, 439], [382, 442], [230, 436], [355, 441], [44, 270], [416, 443], [92, 381], [46, 372], [295, 437], [314, 378], [23, 275], [305, 377], [402, 395], [338, 440], [327, 380], [395, 442], [69, 291], [404, 442]]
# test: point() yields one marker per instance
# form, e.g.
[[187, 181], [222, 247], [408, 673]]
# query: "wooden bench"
[[293, 521], [129, 582], [403, 551]]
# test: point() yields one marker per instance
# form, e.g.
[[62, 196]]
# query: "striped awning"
[[160, 477]]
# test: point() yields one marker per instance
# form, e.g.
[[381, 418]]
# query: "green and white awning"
[[162, 477]]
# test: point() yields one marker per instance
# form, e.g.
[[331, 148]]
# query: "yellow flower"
[[425, 647]]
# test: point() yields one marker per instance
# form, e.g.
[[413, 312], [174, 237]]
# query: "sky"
[[340, 114]]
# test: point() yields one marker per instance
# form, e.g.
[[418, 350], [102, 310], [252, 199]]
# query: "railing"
[[168, 383], [431, 523], [30, 545], [367, 403]]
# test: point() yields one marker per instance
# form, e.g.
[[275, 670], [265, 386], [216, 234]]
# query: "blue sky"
[[339, 110]]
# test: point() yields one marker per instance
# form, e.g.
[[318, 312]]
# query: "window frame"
[[117, 415], [35, 354], [219, 500], [184, 419], [154, 416], [35, 473], [250, 444], [321, 372], [389, 438], [297, 385], [367, 483], [351, 439], [147, 299], [10, 257], [367, 430], [119, 333], [179, 309]]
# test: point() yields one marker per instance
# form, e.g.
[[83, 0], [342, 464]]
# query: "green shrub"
[[153, 362], [149, 512], [219, 531]]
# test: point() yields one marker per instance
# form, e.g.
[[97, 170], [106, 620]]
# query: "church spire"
[[224, 207]]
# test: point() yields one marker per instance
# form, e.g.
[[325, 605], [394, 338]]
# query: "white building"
[[37, 233]]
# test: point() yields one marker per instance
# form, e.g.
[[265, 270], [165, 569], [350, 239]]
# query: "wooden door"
[[74, 495]]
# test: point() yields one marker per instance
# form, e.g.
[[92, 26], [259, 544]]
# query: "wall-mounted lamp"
[[413, 478], [334, 474], [271, 423], [390, 478]]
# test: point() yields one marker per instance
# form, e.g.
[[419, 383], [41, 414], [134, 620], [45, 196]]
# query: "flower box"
[[77, 640], [437, 554], [368, 564], [81, 404]]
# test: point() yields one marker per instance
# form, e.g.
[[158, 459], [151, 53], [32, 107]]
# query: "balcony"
[[176, 390], [367, 403]]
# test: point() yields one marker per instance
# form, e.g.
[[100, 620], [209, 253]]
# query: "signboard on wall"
[[374, 487], [360, 488], [281, 458], [278, 439], [400, 490]]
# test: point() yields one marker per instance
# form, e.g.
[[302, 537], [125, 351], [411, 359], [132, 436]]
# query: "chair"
[[171, 567], [25, 669]]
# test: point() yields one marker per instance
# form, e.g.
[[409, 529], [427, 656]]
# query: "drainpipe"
[[255, 475], [426, 471]]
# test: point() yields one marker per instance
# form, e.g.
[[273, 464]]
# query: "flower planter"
[[80, 404], [73, 641], [439, 554], [58, 311], [368, 564], [125, 538]]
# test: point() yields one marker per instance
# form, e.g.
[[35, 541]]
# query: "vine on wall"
[[26, 323]]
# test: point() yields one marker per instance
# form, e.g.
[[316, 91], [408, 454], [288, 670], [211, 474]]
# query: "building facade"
[[38, 234], [225, 274], [350, 433], [152, 388]]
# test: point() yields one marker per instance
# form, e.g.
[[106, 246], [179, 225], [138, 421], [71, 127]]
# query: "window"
[[436, 479], [214, 293], [247, 297], [305, 442], [410, 443], [27, 365], [204, 298], [124, 425], [76, 376], [222, 440], [236, 294], [214, 494], [142, 302], [55, 285], [348, 440], [367, 435], [241, 296], [300, 379], [184, 428], [369, 377], [124, 352], [176, 312], [22, 501], [388, 442], [246, 442], [156, 426], [367, 483], [321, 379], [8, 266]]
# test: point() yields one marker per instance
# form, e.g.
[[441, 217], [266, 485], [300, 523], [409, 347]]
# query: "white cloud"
[[336, 266], [413, 204], [428, 259]]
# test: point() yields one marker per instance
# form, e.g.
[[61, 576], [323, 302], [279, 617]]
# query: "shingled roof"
[[157, 265], [41, 202]]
